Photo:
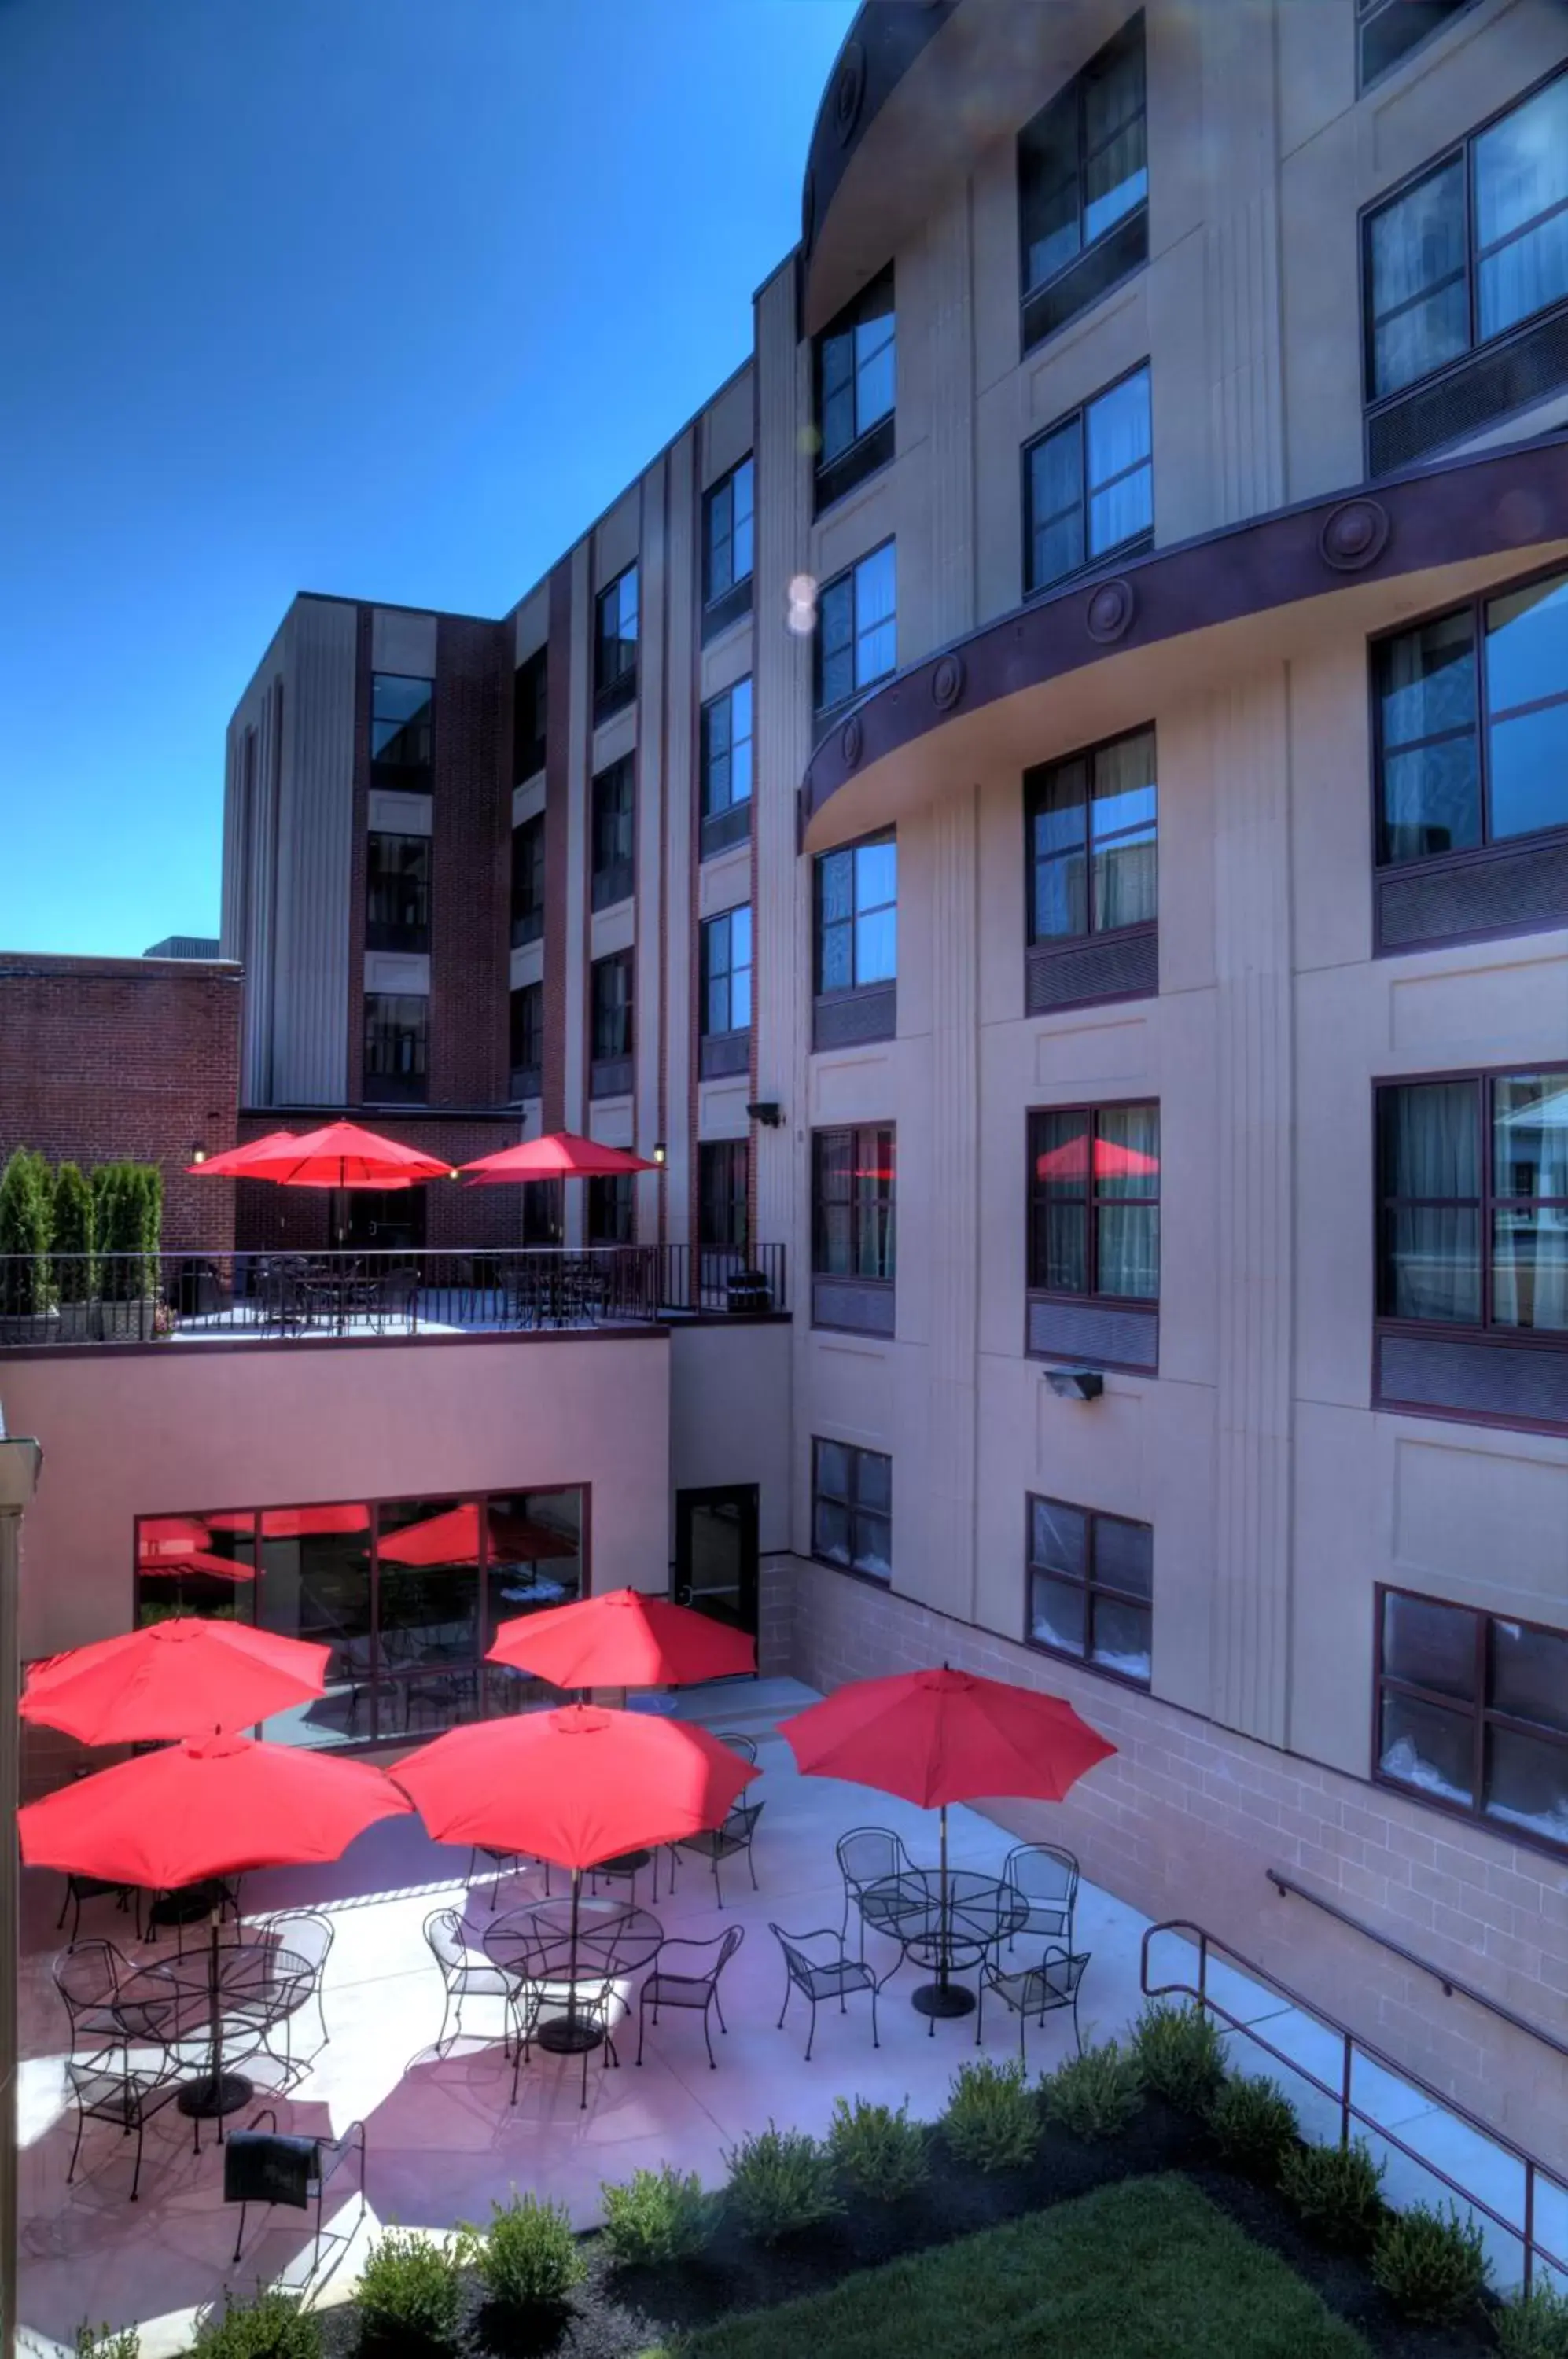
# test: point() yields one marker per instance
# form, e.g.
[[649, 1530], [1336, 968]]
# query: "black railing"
[[148, 1298]]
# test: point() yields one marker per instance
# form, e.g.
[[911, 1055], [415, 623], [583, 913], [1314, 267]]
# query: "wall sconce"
[[1075, 1383], [767, 1111], [197, 1154], [659, 1152]]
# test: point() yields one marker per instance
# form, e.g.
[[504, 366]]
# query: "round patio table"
[[613, 1938], [945, 1923], [170, 2002]]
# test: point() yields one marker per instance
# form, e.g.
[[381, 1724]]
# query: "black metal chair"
[[833, 1977], [671, 1985], [267, 2167], [79, 1888], [865, 1854], [503, 1863], [305, 1937], [89, 1976], [745, 1746], [717, 1843], [1047, 1878], [1036, 1992], [538, 1990], [463, 1974], [103, 2091]]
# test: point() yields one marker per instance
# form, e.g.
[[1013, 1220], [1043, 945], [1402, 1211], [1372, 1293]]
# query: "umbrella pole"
[[209, 2098], [574, 2033]]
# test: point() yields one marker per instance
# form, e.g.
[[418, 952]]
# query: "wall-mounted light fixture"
[[1075, 1383], [767, 1111], [197, 1154], [659, 1152]]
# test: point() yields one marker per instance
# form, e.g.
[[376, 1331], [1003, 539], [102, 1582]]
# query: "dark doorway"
[[388, 1219], [716, 1554]]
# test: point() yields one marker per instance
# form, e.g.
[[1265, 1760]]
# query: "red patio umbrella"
[[623, 1639], [233, 1162], [181, 1678], [559, 1155], [942, 1737], [1112, 1162], [453, 1538], [342, 1155]]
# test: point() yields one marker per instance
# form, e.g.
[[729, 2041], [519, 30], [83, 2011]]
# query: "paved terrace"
[[443, 2139]]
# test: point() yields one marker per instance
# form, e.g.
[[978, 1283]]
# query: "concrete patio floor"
[[443, 2139]]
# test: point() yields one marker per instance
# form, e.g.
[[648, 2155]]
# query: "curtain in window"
[[874, 1203], [876, 626], [1127, 1186], [1527, 666], [1530, 1223], [1119, 442], [1521, 173], [1056, 504], [1431, 759], [1419, 297], [1115, 178], [1125, 877], [1430, 1149]]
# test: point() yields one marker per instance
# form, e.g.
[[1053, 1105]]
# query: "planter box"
[[128, 1322], [30, 1327], [78, 1322]]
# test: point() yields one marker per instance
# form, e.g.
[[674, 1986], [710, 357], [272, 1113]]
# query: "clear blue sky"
[[384, 297]]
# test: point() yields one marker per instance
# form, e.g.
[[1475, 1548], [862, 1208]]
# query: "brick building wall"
[[270, 1218], [108, 1058], [470, 868]]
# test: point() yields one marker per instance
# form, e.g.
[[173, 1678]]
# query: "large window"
[[726, 769], [857, 914], [727, 973], [1089, 485], [727, 523], [615, 643], [858, 628], [1472, 250], [527, 1040], [1471, 711], [528, 881], [1473, 1186], [723, 1171], [1095, 1201], [396, 892], [852, 1202], [852, 1508], [529, 692], [1472, 1713], [612, 1208], [614, 841], [396, 1048], [407, 1594], [1083, 187], [401, 732], [610, 1025], [856, 389], [1090, 1583], [1092, 841], [1387, 30]]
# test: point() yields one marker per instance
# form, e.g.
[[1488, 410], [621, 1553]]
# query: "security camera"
[[1076, 1383]]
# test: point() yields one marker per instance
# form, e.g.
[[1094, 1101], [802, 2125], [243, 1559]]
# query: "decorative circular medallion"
[[852, 745], [946, 682], [849, 90], [1354, 534], [1108, 615]]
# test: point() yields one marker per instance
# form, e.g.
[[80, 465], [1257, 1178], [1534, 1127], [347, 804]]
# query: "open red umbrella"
[[623, 1639], [235, 1161], [342, 1155], [559, 1155], [181, 1678], [942, 1737]]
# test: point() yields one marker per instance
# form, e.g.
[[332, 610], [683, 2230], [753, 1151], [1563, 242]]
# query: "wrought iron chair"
[[671, 1984], [503, 1863], [539, 1989], [302, 1936], [721, 1843], [865, 1854], [89, 1977], [463, 1974], [103, 2091], [833, 1975], [745, 1746], [1047, 1878], [78, 1888], [265, 2167], [1036, 1992]]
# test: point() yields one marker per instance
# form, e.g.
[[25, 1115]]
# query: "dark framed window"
[[528, 881], [544, 1212], [857, 914], [396, 1048], [526, 1022], [726, 770], [1095, 1201], [1092, 840], [724, 1177], [1090, 1588], [856, 390], [1473, 1714], [612, 1208], [1089, 485], [529, 706], [852, 1508], [725, 962], [615, 643], [1083, 187], [609, 1023], [858, 628], [852, 1177], [1473, 1193], [1472, 249], [1387, 30], [402, 739], [614, 866], [727, 533], [396, 892]]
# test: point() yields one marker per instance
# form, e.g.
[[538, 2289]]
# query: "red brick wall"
[[104, 1059], [470, 868], [270, 1218]]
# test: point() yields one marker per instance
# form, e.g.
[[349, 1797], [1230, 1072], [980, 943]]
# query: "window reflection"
[[315, 1584], [195, 1564]]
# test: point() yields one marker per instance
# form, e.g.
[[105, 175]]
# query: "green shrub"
[[880, 2155], [127, 1204], [72, 1236], [1095, 2095], [1179, 2055], [1255, 2126], [273, 2326], [780, 2181], [528, 2258], [1535, 2326], [1337, 2191], [26, 1212], [991, 2120], [410, 2293], [656, 2216], [107, 2342], [1431, 2265]]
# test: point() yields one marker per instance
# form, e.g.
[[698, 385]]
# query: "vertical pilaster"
[[955, 1224], [1241, 261], [951, 310]]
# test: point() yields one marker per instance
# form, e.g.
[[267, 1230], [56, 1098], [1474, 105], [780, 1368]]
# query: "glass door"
[[716, 1554]]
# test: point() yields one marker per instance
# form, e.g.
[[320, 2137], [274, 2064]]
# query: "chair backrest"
[[87, 1974], [443, 1932], [745, 1746], [1061, 1974], [1043, 1872], [867, 1853], [799, 1965], [306, 1934], [741, 1820]]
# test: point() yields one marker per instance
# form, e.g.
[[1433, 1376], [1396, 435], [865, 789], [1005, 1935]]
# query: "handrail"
[[1452, 1986], [1205, 1942]]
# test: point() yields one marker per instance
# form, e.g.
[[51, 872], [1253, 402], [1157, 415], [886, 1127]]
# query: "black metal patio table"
[[183, 1997], [946, 1920], [613, 1938]]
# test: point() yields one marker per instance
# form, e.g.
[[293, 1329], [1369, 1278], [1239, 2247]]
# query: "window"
[[528, 881], [852, 1202], [852, 1508], [1473, 248], [726, 769], [1390, 29], [1472, 726], [1095, 1201], [857, 387], [396, 1048], [858, 629], [528, 708], [612, 1209], [610, 989], [1092, 841], [1472, 1184], [1089, 485], [723, 1173], [1472, 1713], [1091, 1578], [616, 645], [614, 868], [544, 1212], [727, 535], [398, 892], [1083, 188], [857, 914], [527, 1033], [727, 973], [402, 737]]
